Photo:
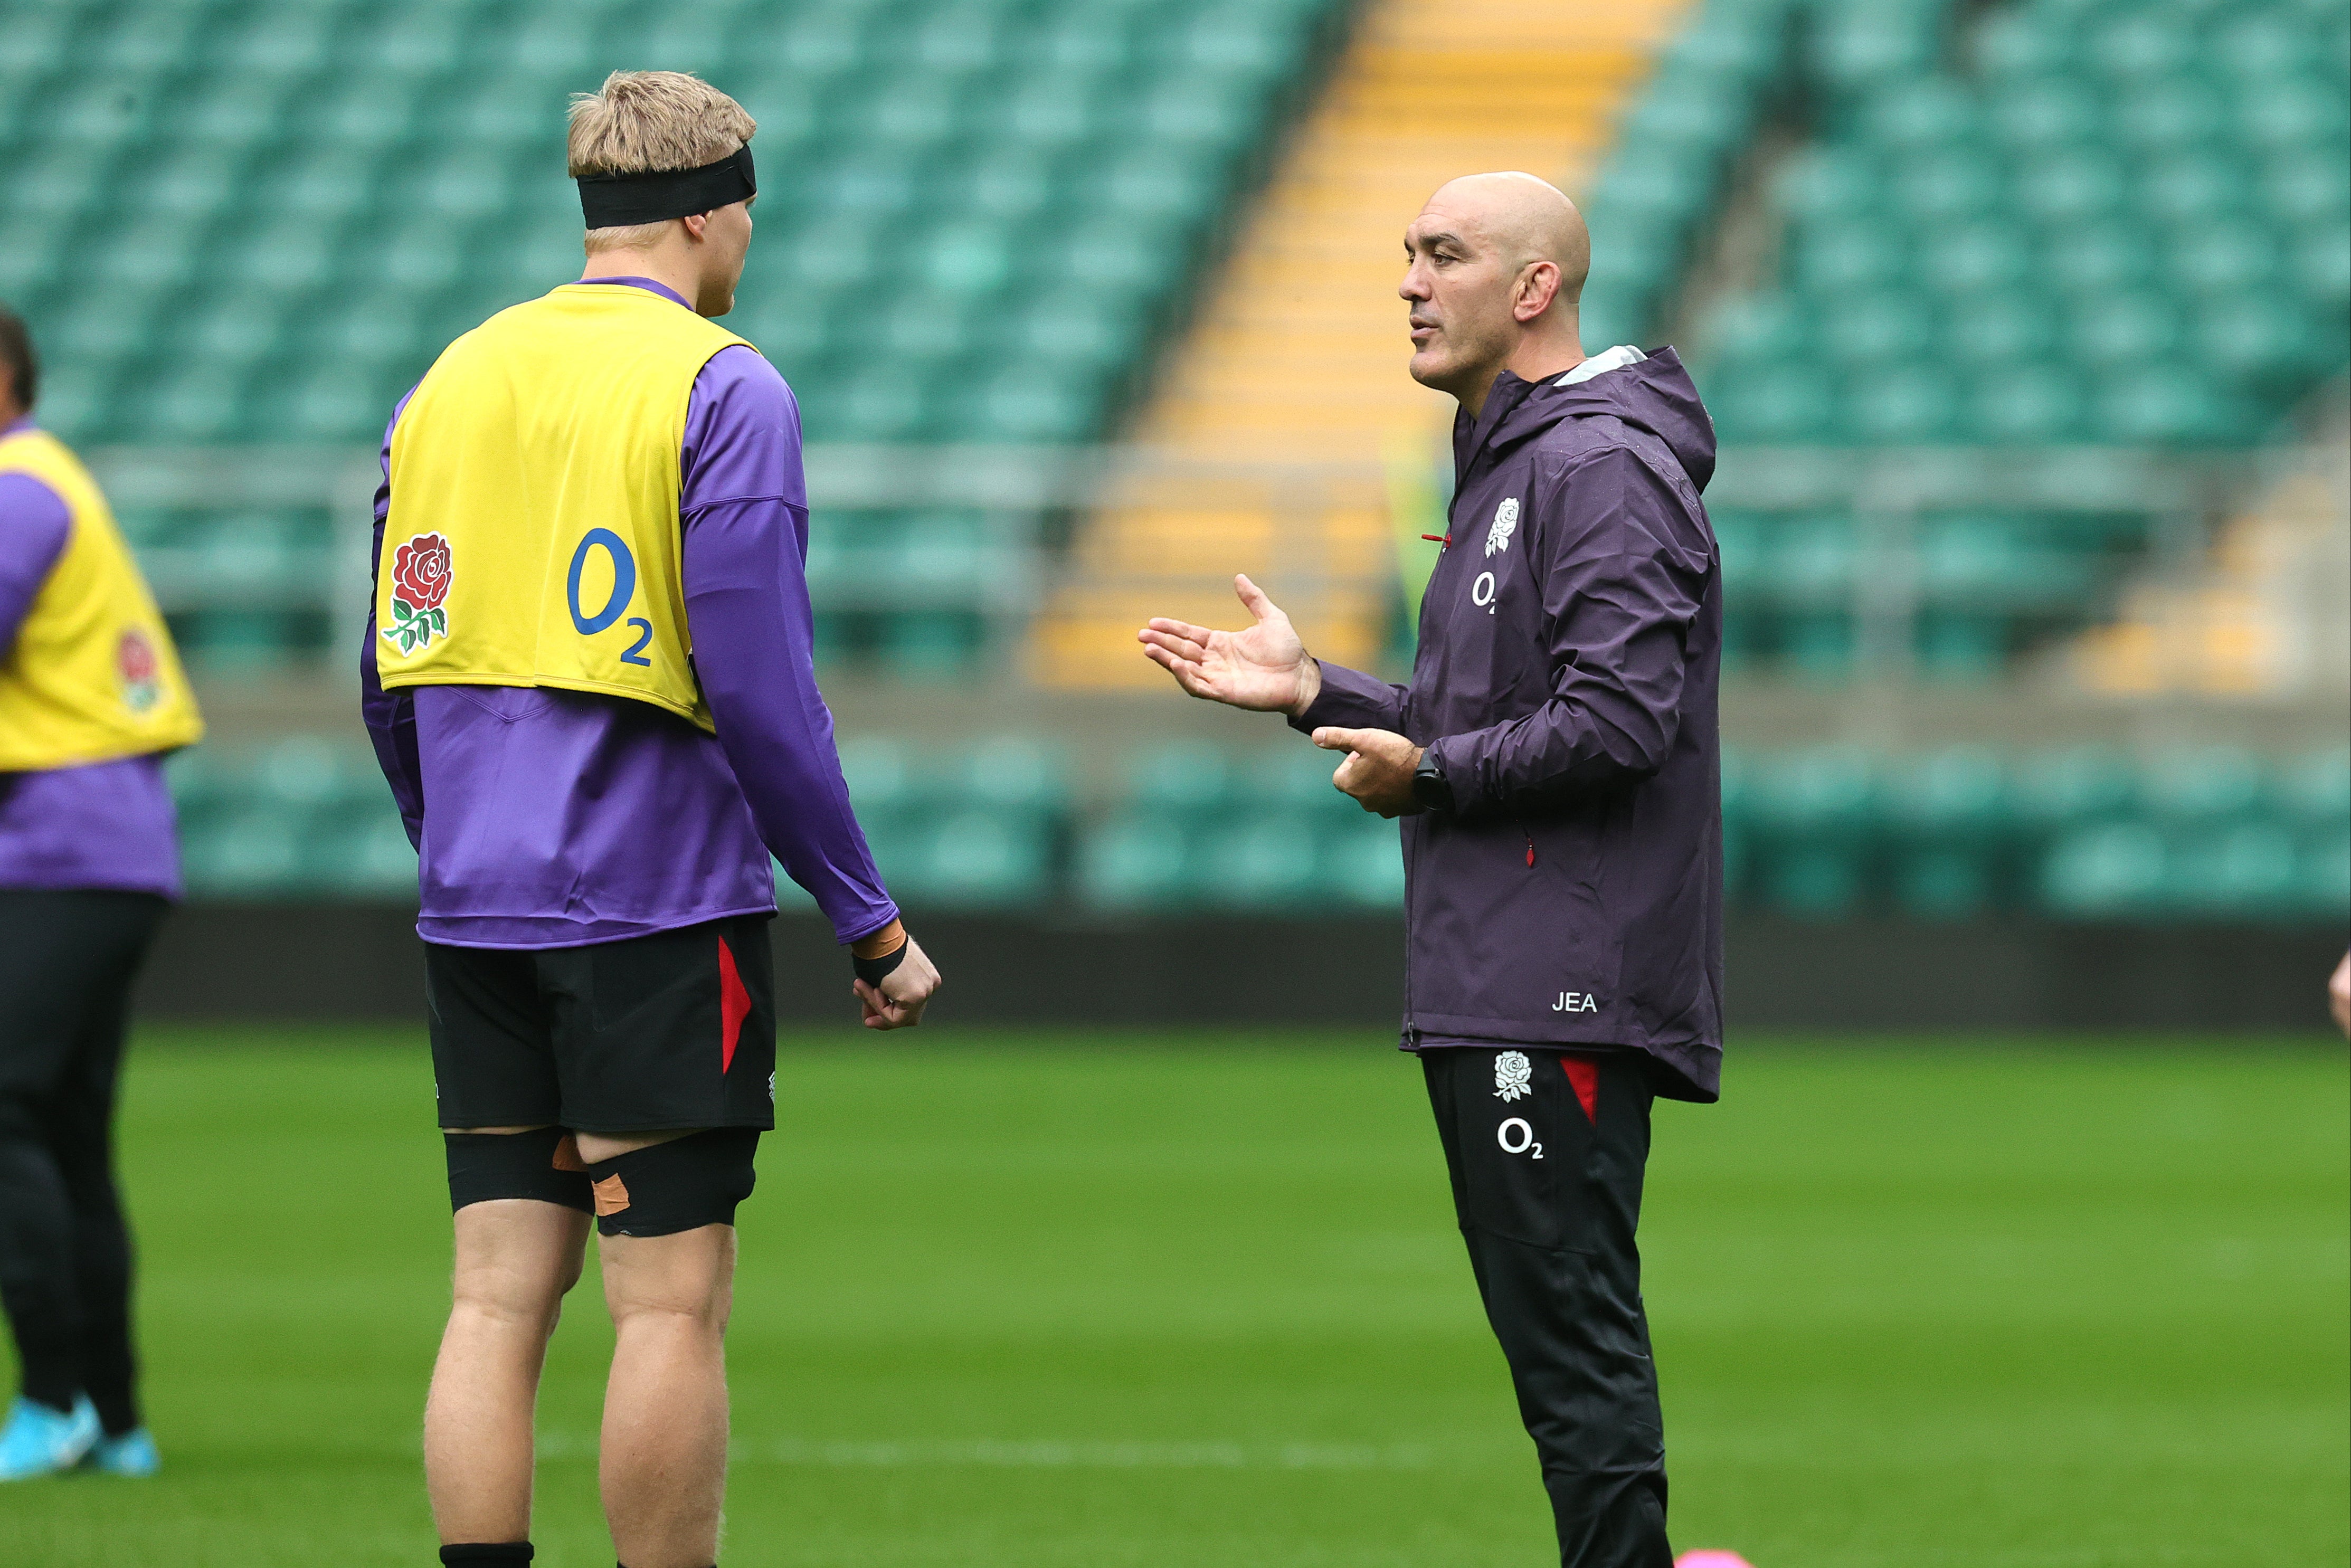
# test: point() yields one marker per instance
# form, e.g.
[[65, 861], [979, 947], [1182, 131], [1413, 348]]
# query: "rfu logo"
[[1576, 1002], [1513, 1076], [1506, 522]]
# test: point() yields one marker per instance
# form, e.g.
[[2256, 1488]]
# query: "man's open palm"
[[1264, 668]]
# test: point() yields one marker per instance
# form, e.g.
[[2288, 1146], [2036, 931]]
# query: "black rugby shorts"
[[673, 1030]]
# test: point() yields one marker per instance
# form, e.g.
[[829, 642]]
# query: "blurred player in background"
[[91, 699], [1556, 759], [588, 676]]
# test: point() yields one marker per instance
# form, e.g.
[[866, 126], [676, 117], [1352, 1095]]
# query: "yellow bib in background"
[[93, 675], [533, 538]]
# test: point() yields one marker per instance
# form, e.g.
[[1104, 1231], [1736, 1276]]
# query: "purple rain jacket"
[[1567, 683]]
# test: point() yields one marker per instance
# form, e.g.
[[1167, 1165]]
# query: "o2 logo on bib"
[[420, 575], [616, 599]]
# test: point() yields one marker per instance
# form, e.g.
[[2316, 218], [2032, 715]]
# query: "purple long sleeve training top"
[[554, 819], [103, 826]]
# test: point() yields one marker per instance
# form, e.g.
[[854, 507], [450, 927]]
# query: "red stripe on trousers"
[[1584, 1074], [734, 1006]]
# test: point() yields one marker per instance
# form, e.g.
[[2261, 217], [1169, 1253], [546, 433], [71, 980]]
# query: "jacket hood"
[[1654, 393]]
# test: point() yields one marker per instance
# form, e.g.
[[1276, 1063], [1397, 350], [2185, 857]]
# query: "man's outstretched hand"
[[1265, 668], [1378, 771]]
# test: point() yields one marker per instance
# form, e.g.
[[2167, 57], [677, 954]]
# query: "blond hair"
[[639, 122]]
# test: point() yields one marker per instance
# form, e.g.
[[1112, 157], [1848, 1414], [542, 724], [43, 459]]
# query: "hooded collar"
[[1649, 392]]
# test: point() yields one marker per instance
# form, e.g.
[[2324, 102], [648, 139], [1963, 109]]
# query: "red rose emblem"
[[134, 656], [420, 582], [420, 572]]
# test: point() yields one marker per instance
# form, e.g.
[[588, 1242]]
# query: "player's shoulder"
[[35, 517], [743, 377]]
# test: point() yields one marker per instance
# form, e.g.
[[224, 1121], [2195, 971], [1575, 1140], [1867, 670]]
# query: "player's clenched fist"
[[895, 978]]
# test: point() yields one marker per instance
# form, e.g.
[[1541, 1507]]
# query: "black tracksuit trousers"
[[1548, 1194], [67, 961]]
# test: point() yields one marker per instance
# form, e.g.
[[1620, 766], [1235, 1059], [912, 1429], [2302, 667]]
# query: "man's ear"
[[1538, 287], [695, 223]]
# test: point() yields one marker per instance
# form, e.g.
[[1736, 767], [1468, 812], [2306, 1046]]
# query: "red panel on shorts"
[[1583, 1073], [734, 1005]]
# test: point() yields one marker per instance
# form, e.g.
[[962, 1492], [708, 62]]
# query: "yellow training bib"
[[93, 675], [533, 538]]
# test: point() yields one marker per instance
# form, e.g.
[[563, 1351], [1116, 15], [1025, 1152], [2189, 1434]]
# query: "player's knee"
[[542, 1165], [681, 1185]]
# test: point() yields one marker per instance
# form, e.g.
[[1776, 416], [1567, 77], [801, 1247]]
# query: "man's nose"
[[1414, 287]]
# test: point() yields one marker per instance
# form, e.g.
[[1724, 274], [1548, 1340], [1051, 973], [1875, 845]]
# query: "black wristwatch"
[[1430, 793]]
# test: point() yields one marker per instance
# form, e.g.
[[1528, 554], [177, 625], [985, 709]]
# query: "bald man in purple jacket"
[[1555, 761]]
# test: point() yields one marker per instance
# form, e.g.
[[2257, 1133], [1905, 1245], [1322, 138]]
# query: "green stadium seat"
[[879, 775], [2092, 260], [2248, 870], [2316, 790], [974, 858], [2207, 787], [938, 644], [1988, 259], [1134, 862], [1910, 404], [2123, 330], [1364, 865], [1187, 779], [1259, 862], [1835, 258], [2159, 402], [2031, 404], [2074, 787], [2115, 870]]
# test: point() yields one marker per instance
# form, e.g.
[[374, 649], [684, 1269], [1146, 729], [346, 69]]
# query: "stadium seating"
[[2040, 223], [2082, 834], [978, 218]]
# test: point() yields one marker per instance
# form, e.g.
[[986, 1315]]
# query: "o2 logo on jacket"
[[420, 583], [616, 603], [1506, 522], [142, 672]]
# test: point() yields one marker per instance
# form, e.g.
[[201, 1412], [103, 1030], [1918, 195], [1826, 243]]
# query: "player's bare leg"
[[516, 1259], [663, 1466]]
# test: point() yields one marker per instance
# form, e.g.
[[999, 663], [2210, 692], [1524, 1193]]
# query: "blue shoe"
[[39, 1441], [131, 1454]]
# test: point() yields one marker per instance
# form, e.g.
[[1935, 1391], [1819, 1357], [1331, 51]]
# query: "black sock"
[[488, 1552]]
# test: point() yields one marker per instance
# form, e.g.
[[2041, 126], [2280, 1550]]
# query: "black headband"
[[615, 200]]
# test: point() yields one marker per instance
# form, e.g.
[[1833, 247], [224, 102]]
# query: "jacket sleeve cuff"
[[863, 923], [1457, 772], [1349, 699]]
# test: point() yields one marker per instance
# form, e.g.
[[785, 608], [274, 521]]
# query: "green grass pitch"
[[1092, 1303]]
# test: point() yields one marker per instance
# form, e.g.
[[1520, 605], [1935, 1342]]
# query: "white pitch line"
[[1044, 1454], [1111, 1456]]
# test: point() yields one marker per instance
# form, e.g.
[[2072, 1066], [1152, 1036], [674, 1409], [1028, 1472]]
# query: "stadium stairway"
[[2266, 615], [1296, 362]]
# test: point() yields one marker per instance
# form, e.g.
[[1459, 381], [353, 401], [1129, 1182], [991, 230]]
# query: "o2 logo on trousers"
[[1517, 1136], [624, 588]]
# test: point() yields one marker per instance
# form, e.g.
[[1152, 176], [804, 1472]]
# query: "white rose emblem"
[[1513, 1075], [1506, 522]]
